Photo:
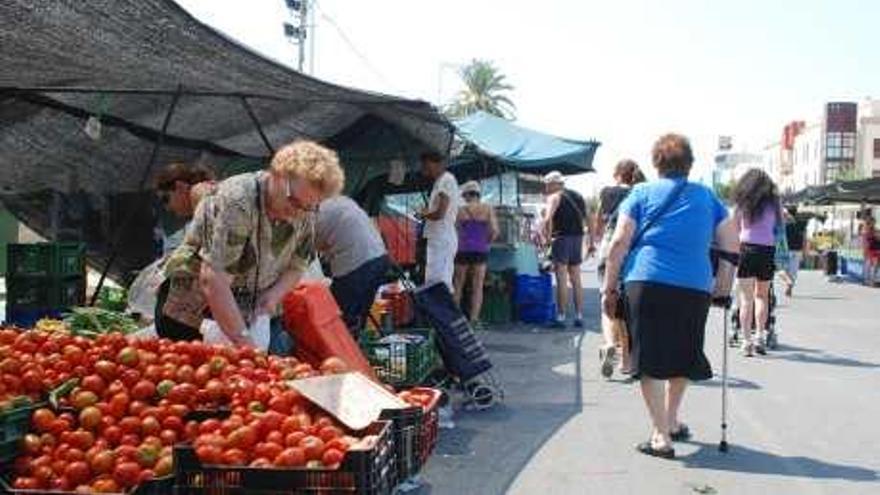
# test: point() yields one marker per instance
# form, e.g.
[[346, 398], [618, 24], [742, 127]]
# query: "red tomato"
[[106, 370], [234, 457], [267, 450], [113, 434], [32, 444], [202, 375], [82, 440], [209, 454], [102, 462], [130, 377], [329, 433], [168, 437], [294, 439], [127, 356], [90, 418], [136, 407], [84, 398], [291, 457], [209, 426], [126, 452], [150, 426], [43, 419], [146, 475], [185, 374], [74, 454], [32, 381], [78, 473], [119, 404], [332, 457], [243, 438], [275, 437], [172, 423], [260, 462], [130, 439], [270, 421], [131, 425], [126, 474], [93, 383], [105, 485], [59, 426], [60, 483], [313, 447], [25, 484], [191, 430]]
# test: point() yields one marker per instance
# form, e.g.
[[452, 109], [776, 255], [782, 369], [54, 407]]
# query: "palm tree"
[[483, 87]]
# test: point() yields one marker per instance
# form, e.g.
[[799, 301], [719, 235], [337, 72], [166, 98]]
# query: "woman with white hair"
[[477, 228]]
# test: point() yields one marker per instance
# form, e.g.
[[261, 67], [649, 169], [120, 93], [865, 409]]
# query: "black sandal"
[[682, 434], [648, 449]]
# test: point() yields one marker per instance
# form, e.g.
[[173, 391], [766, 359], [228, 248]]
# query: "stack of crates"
[[497, 297], [43, 280], [534, 298]]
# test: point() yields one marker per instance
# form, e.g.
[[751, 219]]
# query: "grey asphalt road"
[[803, 420]]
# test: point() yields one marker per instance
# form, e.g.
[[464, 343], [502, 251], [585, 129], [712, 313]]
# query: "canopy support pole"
[[253, 116], [154, 155]]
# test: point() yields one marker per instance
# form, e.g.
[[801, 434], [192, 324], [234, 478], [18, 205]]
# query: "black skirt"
[[667, 327]]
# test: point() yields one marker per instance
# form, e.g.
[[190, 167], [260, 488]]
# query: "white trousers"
[[440, 262]]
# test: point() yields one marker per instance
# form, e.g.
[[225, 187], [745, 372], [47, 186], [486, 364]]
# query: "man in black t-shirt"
[[565, 223], [795, 236]]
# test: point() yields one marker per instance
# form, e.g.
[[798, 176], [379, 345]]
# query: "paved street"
[[802, 421]]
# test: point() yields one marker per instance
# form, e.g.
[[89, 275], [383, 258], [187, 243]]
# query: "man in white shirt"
[[439, 219]]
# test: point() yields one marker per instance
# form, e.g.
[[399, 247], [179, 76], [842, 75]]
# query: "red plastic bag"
[[314, 320]]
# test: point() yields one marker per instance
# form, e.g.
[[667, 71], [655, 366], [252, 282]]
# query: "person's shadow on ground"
[[745, 460]]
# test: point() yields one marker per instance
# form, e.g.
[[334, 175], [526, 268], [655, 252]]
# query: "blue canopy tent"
[[488, 138]]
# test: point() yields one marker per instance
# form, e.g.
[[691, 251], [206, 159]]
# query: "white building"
[[868, 151], [807, 157]]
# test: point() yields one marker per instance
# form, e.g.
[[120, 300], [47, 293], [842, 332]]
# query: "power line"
[[351, 46]]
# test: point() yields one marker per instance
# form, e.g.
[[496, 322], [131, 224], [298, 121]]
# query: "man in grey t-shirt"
[[347, 239]]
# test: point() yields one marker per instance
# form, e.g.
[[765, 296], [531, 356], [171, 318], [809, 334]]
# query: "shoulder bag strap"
[[670, 198]]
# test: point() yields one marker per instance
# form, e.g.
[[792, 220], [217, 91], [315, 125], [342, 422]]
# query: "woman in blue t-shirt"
[[660, 249]]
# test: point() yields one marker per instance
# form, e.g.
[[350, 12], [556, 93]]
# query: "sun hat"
[[470, 187], [554, 177]]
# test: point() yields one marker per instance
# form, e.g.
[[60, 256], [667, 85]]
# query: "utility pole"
[[296, 31]]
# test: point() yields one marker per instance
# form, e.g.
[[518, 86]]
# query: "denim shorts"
[[567, 250]]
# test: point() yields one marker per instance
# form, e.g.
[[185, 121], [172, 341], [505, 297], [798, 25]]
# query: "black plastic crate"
[[29, 259], [406, 426], [363, 472], [69, 259], [29, 292], [68, 292]]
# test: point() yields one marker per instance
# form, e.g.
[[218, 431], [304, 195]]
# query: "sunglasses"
[[293, 192]]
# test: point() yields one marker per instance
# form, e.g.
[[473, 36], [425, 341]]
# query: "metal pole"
[[302, 34], [154, 155], [312, 39], [253, 116]]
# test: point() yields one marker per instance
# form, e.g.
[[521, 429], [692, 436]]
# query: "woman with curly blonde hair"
[[249, 244]]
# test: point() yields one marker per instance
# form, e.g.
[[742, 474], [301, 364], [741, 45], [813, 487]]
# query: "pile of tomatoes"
[[420, 397], [116, 427]]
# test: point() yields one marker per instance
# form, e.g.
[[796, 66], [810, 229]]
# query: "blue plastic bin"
[[533, 289]]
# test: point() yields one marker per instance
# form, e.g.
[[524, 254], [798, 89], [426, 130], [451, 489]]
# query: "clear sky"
[[620, 71]]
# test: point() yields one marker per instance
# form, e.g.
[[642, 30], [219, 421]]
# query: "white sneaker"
[[748, 347]]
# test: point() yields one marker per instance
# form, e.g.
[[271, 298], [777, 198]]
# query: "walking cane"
[[722, 446]]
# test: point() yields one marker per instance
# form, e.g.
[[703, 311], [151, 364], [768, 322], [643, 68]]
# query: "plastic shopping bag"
[[259, 330], [145, 289]]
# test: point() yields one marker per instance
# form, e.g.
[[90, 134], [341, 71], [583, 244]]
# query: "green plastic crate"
[[497, 308], [29, 260], [69, 292], [24, 292], [402, 364], [69, 259], [45, 259]]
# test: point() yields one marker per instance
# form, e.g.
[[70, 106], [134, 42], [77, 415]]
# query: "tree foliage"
[[485, 88]]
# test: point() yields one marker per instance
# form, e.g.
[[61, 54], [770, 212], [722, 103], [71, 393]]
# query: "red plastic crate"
[[430, 430]]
